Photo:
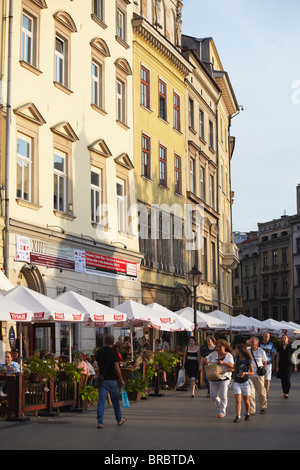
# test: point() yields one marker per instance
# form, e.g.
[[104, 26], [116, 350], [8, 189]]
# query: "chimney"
[[298, 199]]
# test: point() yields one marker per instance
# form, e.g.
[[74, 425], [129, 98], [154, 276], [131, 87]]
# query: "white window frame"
[[96, 84], [28, 39], [60, 58], [23, 162], [96, 190], [98, 9], [60, 176], [121, 206], [120, 100], [121, 24]]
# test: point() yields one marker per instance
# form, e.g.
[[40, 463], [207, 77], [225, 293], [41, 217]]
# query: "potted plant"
[[69, 371], [40, 370], [89, 393], [137, 386]]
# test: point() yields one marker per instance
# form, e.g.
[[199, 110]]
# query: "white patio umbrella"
[[293, 325], [257, 326], [278, 328], [178, 324], [204, 320], [13, 311], [46, 309], [140, 315], [232, 323], [95, 311]]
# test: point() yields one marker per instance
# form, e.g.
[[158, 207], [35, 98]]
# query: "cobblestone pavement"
[[174, 422]]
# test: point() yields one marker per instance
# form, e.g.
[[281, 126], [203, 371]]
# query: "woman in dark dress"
[[190, 363], [285, 365]]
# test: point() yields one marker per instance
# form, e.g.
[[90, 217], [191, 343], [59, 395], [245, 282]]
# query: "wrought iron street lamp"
[[194, 277]]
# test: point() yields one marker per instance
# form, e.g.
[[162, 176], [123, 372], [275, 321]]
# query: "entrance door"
[[44, 337]]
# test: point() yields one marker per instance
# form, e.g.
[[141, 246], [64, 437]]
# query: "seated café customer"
[[10, 366], [82, 366]]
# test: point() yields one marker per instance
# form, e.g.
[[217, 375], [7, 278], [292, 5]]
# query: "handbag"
[[213, 371], [125, 401], [261, 371]]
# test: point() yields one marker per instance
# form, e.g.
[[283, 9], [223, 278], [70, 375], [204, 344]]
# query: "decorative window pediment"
[[125, 161], [101, 46], [124, 66], [29, 111], [64, 129], [101, 148], [40, 3], [65, 19]]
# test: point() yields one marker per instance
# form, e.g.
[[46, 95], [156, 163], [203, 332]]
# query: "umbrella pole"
[[131, 340], [21, 347], [70, 348]]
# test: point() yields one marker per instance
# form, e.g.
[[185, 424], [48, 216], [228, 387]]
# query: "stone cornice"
[[161, 44]]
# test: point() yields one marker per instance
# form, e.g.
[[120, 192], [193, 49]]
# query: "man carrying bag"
[[110, 373], [259, 361]]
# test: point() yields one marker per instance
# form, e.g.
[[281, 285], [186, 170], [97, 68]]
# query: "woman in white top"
[[219, 388]]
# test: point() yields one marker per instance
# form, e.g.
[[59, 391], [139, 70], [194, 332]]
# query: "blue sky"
[[259, 45]]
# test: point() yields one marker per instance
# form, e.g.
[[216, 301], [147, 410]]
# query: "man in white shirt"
[[259, 359]]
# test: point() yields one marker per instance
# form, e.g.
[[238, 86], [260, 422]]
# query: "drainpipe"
[[218, 203], [7, 140]]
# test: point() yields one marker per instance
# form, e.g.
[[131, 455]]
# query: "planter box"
[[134, 396]]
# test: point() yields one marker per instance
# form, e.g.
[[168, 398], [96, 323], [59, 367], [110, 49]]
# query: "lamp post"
[[194, 276]]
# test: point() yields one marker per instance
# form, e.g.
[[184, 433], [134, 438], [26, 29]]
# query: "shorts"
[[242, 389], [268, 374]]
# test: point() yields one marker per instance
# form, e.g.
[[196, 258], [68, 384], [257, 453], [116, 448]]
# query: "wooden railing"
[[19, 396]]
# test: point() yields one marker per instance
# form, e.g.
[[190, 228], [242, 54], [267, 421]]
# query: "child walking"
[[242, 368]]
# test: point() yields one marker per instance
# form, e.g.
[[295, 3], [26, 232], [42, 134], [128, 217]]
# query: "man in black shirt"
[[109, 369]]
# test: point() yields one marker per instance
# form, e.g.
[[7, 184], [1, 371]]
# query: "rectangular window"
[[191, 113], [212, 191], [120, 101], [121, 18], [162, 91], [162, 165], [60, 61], [121, 205], [192, 175], [145, 87], [178, 176], [201, 124], [211, 135], [24, 167], [146, 156], [98, 8], [96, 84], [202, 183], [177, 123], [27, 52], [95, 195], [274, 257], [60, 181], [213, 263]]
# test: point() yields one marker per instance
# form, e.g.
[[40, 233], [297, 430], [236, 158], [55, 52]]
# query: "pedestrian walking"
[[205, 350], [191, 362], [285, 365], [219, 388], [259, 361], [109, 375], [242, 368], [270, 351]]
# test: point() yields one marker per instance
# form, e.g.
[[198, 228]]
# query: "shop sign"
[[58, 256]]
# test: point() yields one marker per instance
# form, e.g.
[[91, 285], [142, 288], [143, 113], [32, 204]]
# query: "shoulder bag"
[[260, 370]]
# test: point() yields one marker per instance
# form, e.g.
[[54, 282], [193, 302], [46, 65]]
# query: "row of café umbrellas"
[[21, 304]]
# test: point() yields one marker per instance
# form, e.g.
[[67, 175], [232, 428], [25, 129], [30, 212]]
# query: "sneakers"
[[247, 417], [237, 419]]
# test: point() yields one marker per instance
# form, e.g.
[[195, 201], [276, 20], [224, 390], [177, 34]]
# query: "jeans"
[[112, 387]]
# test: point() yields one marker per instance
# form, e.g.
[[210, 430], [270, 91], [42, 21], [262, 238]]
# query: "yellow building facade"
[[159, 72]]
